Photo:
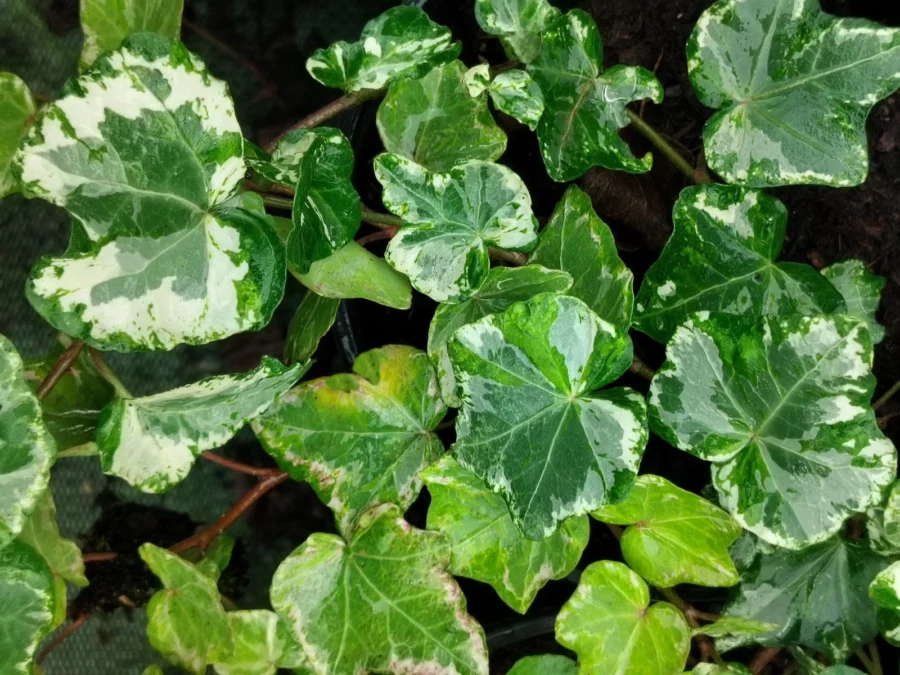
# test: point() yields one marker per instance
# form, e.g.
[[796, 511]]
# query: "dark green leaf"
[[311, 322], [861, 291]]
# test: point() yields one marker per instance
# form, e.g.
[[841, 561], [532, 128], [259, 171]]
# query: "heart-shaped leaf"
[[360, 439], [518, 95], [449, 221], [401, 43], [355, 609], [263, 643], [721, 257], [313, 319], [62, 555], [883, 523], [106, 23], [584, 106], [533, 425], [487, 545], [144, 152], [794, 85], [610, 624], [17, 110], [518, 23], [546, 664], [861, 291]]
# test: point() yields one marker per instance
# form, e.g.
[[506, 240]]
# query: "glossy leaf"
[[311, 322], [449, 221], [381, 603], [151, 442], [62, 555], [217, 557], [546, 664], [487, 545], [674, 536], [734, 625], [794, 85], [436, 123], [106, 23], [518, 95], [721, 258], [360, 439], [883, 523], [17, 110], [781, 406], [144, 152], [610, 624], [584, 106], [401, 43], [518, 23], [263, 643], [861, 291], [533, 425], [715, 669]]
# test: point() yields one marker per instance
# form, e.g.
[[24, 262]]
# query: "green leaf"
[[518, 95], [42, 533], [449, 221], [217, 557], [487, 545], [436, 123], [721, 257], [533, 425], [610, 624], [153, 670], [546, 664], [152, 442], [360, 439], [381, 603], [144, 152], [518, 23], [503, 287], [477, 79], [885, 592], [17, 111], [401, 43], [734, 625], [883, 523], [106, 23], [263, 643], [715, 669], [578, 242], [781, 406], [186, 621], [311, 322], [674, 536], [584, 106], [816, 596], [794, 85], [861, 291], [27, 450]]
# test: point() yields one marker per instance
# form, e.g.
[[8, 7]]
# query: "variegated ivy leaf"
[[794, 85], [716, 669], [503, 287], [380, 602], [546, 664], [152, 442], [883, 523], [487, 545], [449, 221], [861, 291], [533, 425], [721, 258], [808, 665], [62, 555], [311, 322], [17, 110], [817, 598], [144, 152], [584, 106], [518, 95], [106, 23], [734, 625], [401, 43], [360, 439], [217, 557], [263, 643], [27, 450], [781, 407], [518, 23], [885, 592], [578, 242], [436, 123], [674, 536], [186, 621], [477, 79], [610, 624]]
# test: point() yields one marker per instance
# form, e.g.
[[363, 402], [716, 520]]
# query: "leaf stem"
[[107, 374], [99, 557], [763, 658], [872, 662], [60, 368], [239, 467], [663, 145], [277, 201], [385, 233], [886, 396], [638, 367], [382, 220], [60, 638]]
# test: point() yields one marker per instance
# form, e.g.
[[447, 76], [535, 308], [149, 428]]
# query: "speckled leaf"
[[808, 665], [477, 79], [721, 258], [578, 242], [263, 643], [152, 442], [401, 43], [734, 625], [817, 597], [533, 425], [487, 545], [715, 669], [186, 621], [17, 110], [861, 291], [144, 152], [42, 533], [781, 406], [885, 592], [883, 524], [584, 106], [546, 664], [106, 23], [610, 624], [518, 23], [360, 439], [436, 123], [381, 603], [27, 450], [311, 322], [449, 221], [794, 85], [518, 95], [674, 536], [503, 287]]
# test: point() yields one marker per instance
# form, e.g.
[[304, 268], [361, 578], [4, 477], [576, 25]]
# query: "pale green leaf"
[[794, 85], [861, 291], [611, 625], [546, 664], [42, 533], [885, 592], [449, 221], [152, 670], [518, 95], [477, 79], [311, 322], [17, 111], [151, 442], [381, 602], [734, 625], [487, 545], [518, 23], [263, 643], [106, 23], [715, 669], [883, 523], [217, 557], [533, 425]]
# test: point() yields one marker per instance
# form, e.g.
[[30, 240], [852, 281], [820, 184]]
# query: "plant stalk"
[[638, 367], [239, 467], [763, 658], [887, 396], [663, 145], [277, 201], [60, 368]]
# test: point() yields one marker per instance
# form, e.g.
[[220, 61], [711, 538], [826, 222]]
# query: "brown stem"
[[238, 466], [60, 638], [886, 396], [638, 367], [386, 233], [60, 368], [99, 557], [509, 257], [763, 658]]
